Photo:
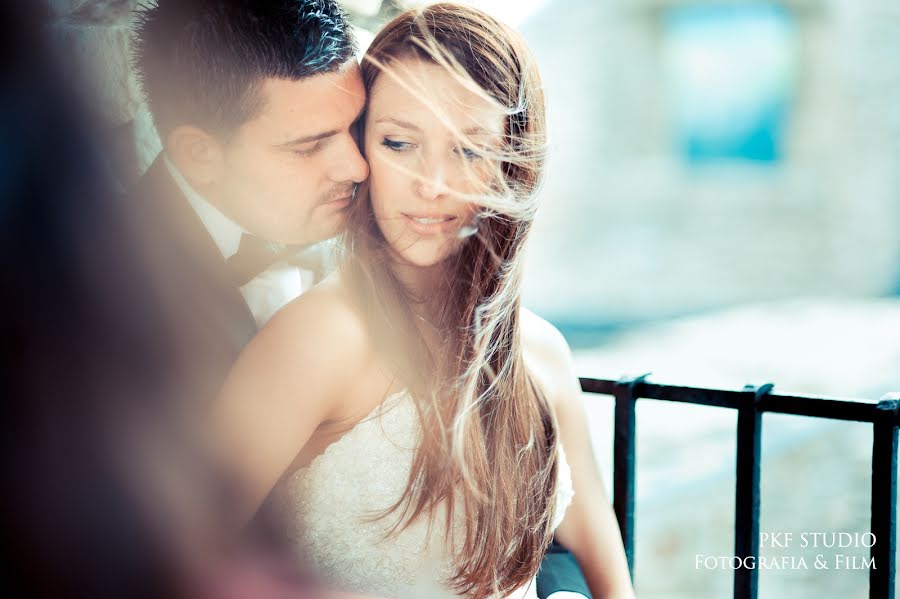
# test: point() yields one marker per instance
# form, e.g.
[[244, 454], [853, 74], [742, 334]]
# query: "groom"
[[256, 102], [256, 105]]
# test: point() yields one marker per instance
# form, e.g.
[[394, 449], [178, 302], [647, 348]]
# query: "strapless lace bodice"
[[329, 508]]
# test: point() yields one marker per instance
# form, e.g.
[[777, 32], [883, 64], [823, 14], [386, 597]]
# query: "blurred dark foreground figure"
[[106, 488]]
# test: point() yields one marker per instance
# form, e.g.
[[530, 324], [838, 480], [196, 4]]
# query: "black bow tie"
[[256, 254]]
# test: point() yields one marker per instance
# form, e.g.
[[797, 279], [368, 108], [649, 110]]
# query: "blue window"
[[730, 71]]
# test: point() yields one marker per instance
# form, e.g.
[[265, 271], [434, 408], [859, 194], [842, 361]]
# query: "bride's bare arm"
[[589, 528], [291, 378]]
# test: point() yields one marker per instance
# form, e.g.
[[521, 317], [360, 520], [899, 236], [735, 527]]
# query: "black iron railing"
[[750, 404]]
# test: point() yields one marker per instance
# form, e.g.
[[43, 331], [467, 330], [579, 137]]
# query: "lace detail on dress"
[[564, 490], [330, 511]]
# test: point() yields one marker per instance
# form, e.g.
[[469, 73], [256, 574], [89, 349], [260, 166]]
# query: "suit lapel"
[[199, 271]]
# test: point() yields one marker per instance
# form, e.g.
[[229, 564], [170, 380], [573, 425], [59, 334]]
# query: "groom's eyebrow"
[[318, 136], [309, 138]]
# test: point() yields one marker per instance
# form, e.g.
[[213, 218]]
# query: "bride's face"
[[426, 140]]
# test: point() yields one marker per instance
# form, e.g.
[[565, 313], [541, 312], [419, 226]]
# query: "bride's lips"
[[430, 224]]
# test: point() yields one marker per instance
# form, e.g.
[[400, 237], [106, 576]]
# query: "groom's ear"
[[197, 155]]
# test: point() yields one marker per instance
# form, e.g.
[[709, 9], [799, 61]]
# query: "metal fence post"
[[746, 498], [624, 459], [750, 403], [884, 500]]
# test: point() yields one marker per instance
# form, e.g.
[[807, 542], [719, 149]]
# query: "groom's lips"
[[340, 202]]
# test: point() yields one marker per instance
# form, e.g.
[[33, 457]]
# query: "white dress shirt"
[[270, 290]]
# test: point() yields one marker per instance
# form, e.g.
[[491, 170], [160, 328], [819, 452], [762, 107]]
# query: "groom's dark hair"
[[201, 62]]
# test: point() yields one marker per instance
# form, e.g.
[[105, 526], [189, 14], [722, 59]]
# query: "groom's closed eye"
[[309, 144], [303, 150], [309, 148], [306, 151]]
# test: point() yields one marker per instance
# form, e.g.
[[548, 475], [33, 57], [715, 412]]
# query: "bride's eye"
[[397, 146], [468, 153]]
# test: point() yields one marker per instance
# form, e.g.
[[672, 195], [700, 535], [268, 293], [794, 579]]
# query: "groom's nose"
[[349, 164]]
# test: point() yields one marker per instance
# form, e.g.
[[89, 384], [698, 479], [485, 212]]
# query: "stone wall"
[[94, 38], [628, 232]]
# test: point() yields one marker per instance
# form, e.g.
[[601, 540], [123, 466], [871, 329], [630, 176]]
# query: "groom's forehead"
[[314, 104]]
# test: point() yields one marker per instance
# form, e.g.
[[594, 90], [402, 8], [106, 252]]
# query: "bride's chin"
[[410, 257], [419, 261]]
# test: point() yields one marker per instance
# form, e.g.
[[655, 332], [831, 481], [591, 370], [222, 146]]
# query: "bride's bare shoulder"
[[322, 327], [327, 305], [548, 355]]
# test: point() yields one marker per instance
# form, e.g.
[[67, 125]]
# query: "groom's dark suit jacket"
[[217, 323]]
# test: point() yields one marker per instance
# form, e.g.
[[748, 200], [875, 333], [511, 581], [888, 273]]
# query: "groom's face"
[[290, 172]]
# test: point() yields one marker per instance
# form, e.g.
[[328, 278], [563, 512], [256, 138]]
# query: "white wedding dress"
[[327, 507]]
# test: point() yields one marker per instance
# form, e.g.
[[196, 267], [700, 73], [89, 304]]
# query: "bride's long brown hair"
[[488, 441]]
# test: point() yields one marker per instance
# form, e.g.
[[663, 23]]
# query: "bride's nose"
[[432, 180]]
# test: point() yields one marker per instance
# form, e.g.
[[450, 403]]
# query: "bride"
[[421, 433]]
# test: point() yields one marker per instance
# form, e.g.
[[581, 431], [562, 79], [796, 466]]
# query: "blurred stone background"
[[651, 257], [631, 232]]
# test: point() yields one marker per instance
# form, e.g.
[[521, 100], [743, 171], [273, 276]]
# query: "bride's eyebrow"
[[476, 130], [399, 123]]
